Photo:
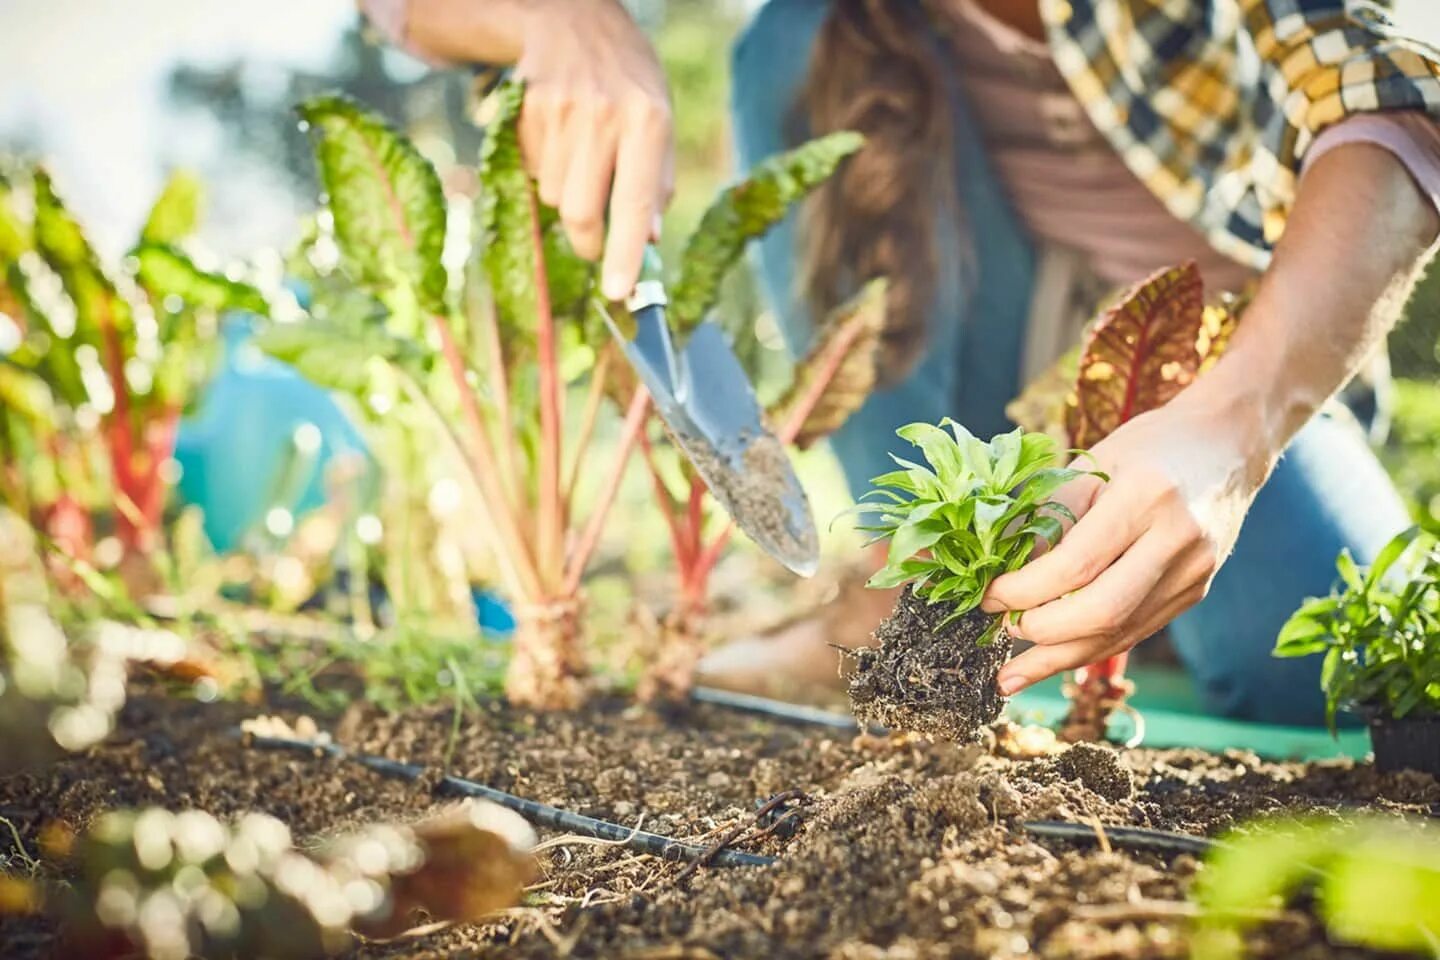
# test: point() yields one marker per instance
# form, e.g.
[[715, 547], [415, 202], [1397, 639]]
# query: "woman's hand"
[[1144, 548], [596, 130]]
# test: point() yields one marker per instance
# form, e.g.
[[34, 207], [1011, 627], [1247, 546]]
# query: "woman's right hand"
[[596, 130]]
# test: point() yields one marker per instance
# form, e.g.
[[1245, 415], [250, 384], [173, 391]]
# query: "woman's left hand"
[[1144, 548]]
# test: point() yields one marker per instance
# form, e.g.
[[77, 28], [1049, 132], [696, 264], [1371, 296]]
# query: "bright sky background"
[[87, 76]]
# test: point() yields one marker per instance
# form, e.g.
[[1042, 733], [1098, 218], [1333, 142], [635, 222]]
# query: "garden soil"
[[907, 848]]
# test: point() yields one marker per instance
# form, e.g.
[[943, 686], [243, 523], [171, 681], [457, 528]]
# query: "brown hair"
[[875, 70]]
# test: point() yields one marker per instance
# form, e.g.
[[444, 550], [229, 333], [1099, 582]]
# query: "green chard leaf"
[[386, 200], [62, 243], [163, 271], [509, 215], [177, 210], [340, 357], [744, 212]]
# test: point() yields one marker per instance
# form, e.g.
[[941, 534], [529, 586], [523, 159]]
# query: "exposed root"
[[677, 646], [547, 669]]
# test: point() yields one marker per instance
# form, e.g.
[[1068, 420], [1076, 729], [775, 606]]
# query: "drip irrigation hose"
[[779, 709], [539, 814], [1133, 838]]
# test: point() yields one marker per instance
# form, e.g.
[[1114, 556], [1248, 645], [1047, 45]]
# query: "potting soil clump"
[[927, 676]]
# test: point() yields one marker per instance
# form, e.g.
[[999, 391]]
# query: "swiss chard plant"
[[1153, 342], [1379, 631], [101, 358], [973, 511], [491, 351]]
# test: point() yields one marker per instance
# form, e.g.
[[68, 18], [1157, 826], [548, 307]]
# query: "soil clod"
[[931, 677], [1098, 768]]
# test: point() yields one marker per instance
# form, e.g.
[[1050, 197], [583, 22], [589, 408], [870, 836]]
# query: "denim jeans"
[[1328, 491]]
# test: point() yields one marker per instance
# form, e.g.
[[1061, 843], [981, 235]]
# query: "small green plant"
[[1376, 883], [979, 509], [1379, 630]]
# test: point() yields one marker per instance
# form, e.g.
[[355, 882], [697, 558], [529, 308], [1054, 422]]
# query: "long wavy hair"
[[875, 69]]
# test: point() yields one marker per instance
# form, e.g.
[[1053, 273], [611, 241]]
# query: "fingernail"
[[655, 226], [615, 287], [1013, 684], [990, 605]]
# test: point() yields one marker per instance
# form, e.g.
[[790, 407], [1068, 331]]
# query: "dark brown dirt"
[[908, 848], [927, 676]]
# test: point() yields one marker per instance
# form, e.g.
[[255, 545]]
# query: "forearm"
[[1357, 238], [459, 31]]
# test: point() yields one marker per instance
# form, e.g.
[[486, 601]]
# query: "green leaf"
[[1390, 553], [509, 217], [337, 357], [1301, 636], [15, 234], [744, 212], [166, 272], [63, 245], [912, 537], [386, 200], [940, 450], [1349, 572], [177, 210]]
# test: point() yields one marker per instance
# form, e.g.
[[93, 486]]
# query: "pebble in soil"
[[927, 676]]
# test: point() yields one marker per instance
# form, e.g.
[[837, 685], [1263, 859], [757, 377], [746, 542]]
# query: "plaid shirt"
[[1213, 103]]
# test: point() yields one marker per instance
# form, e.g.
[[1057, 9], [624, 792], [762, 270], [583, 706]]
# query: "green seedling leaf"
[[100, 311], [743, 213], [176, 212], [386, 200], [15, 234], [979, 508]]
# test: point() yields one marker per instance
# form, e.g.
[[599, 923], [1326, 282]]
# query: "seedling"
[[972, 512], [1379, 631]]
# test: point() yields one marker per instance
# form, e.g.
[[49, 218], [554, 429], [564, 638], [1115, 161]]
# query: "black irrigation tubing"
[[799, 713], [1132, 838], [540, 814]]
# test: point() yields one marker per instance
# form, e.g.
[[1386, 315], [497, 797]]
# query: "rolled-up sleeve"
[[1413, 137], [1322, 62]]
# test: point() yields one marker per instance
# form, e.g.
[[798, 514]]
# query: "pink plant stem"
[[695, 514], [512, 551], [679, 544], [500, 388], [631, 432], [549, 536], [596, 395]]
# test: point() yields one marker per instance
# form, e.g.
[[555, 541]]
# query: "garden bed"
[[906, 845]]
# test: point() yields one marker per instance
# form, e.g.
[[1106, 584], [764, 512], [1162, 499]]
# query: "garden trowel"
[[706, 401]]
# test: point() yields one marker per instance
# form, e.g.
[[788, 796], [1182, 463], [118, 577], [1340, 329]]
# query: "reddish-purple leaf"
[[1141, 353]]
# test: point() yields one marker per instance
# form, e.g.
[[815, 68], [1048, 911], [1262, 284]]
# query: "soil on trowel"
[[904, 848], [928, 676]]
